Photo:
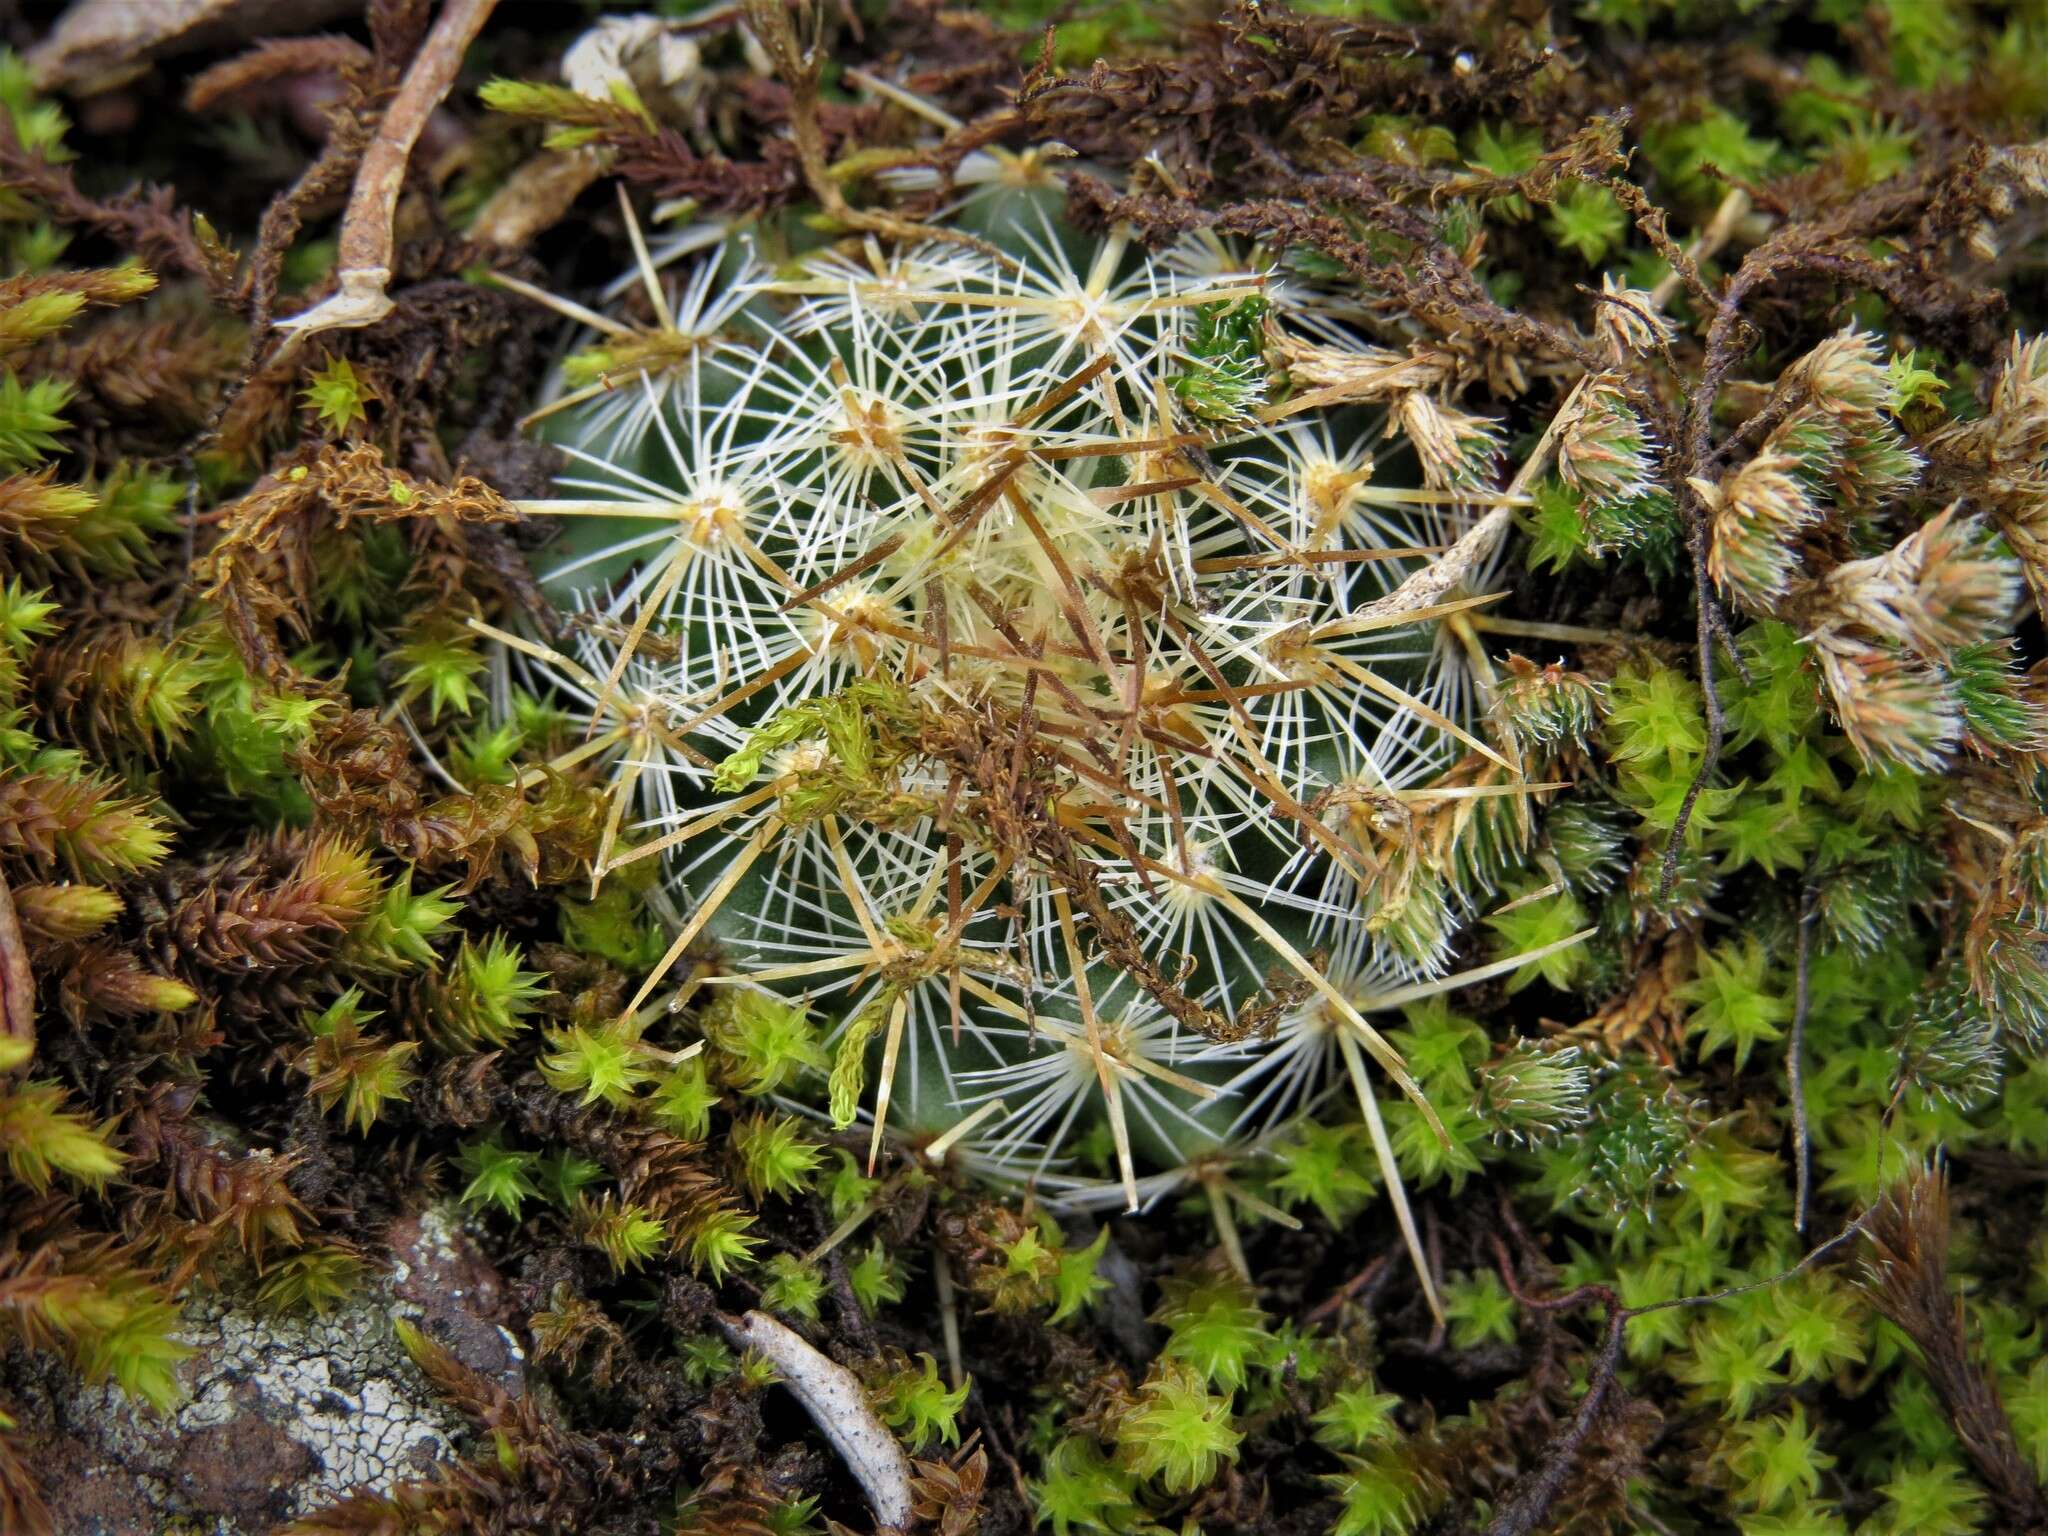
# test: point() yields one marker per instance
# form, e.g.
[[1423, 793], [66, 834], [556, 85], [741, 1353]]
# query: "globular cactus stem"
[[1003, 663]]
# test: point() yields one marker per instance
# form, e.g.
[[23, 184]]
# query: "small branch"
[[1591, 1293], [364, 269], [1528, 1503], [1761, 423], [1727, 639], [1685, 264], [1811, 1257], [1795, 1064], [1717, 722], [17, 989], [1361, 1281], [1825, 245], [853, 1317], [833, 1397]]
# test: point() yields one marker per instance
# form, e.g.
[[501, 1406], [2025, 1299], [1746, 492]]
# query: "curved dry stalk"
[[364, 270], [17, 989], [833, 1397]]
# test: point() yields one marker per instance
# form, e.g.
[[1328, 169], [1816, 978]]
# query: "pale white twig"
[[833, 1397], [363, 271]]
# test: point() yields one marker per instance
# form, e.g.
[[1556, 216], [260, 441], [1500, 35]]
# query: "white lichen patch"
[[299, 1409]]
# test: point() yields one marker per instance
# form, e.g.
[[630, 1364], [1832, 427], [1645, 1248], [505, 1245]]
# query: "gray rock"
[[284, 1411]]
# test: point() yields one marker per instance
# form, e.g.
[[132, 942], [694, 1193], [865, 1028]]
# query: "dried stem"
[[1527, 1505], [1795, 1064], [832, 1396], [17, 987], [1707, 629], [364, 270], [1529, 1502], [1330, 1305]]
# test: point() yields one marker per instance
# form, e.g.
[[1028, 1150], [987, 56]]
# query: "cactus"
[[1007, 653]]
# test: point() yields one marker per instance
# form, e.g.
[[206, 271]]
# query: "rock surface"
[[284, 1411]]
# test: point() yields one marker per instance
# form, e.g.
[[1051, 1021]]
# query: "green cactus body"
[[1005, 663]]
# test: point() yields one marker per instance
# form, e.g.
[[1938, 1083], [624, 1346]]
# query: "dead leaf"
[[99, 44]]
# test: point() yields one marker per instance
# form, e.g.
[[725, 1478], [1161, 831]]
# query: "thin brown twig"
[[1831, 246], [1708, 628], [1807, 1260], [1795, 1062], [1331, 1304], [1726, 636], [1527, 1504]]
